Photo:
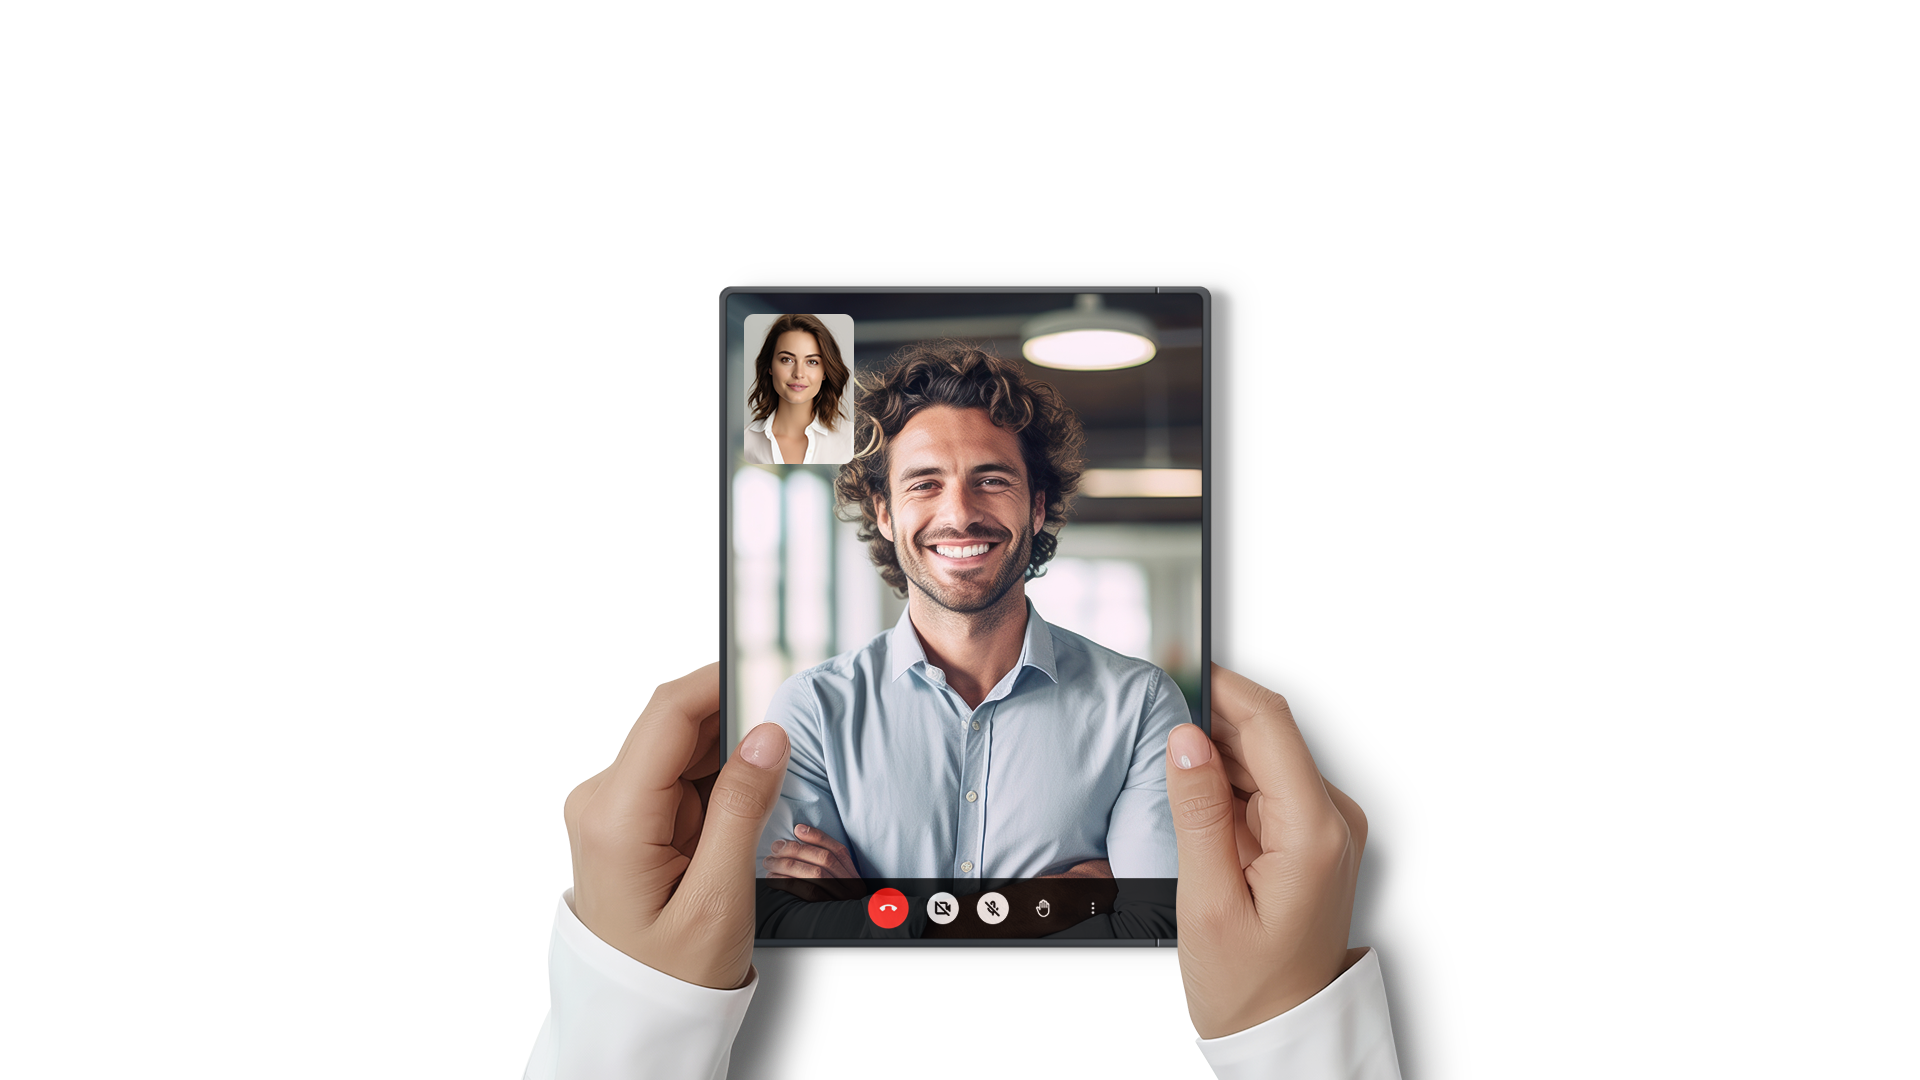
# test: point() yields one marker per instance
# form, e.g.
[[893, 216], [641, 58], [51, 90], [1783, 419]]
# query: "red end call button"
[[887, 908]]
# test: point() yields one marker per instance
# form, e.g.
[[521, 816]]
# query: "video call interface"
[[966, 572]]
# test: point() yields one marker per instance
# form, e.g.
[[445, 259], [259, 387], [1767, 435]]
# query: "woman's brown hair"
[[833, 379]]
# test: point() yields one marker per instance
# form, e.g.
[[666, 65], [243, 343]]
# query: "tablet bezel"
[[1229, 531]]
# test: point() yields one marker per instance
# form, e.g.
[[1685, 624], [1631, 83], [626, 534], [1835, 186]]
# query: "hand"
[[663, 849], [814, 867], [1267, 872]]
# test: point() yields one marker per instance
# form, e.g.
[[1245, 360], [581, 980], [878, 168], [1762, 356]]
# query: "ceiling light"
[[1088, 337]]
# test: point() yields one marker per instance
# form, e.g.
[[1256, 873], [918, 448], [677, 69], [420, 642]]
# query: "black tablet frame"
[[1231, 529]]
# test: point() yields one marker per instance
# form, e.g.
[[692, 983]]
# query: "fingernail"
[[762, 748], [779, 846], [1190, 746], [801, 830]]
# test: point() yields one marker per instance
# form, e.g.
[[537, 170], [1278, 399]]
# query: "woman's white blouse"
[[824, 446]]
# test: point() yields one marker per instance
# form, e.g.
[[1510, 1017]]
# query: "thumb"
[[1202, 802], [737, 809]]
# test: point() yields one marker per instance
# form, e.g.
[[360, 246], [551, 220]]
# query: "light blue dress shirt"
[[1064, 761]]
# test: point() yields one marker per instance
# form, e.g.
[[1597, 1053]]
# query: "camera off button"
[[943, 908]]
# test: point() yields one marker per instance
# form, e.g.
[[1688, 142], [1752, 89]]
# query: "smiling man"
[[973, 740]]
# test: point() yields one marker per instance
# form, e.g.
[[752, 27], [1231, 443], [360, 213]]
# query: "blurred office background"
[[1128, 571]]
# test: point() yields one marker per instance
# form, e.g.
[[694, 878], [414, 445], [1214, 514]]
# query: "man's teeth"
[[967, 552]]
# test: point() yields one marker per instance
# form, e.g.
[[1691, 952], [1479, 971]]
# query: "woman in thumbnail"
[[798, 381]]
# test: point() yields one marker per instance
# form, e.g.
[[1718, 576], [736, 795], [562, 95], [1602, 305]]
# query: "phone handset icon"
[[887, 908]]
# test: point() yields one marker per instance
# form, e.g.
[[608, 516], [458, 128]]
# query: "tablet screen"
[[965, 567]]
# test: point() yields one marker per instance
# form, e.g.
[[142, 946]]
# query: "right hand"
[[663, 849], [1269, 854]]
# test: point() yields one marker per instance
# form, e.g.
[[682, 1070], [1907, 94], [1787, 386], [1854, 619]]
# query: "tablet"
[[965, 566]]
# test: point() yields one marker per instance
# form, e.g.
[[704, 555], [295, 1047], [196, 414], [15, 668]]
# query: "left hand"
[[818, 860], [663, 848]]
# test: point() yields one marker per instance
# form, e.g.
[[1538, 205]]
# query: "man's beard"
[[974, 598]]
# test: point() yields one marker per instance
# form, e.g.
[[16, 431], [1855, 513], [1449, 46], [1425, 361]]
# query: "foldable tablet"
[[964, 565]]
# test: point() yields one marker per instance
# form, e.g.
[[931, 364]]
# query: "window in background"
[[1103, 600], [807, 596], [759, 661]]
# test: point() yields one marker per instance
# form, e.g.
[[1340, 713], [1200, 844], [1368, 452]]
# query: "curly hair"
[[961, 375], [833, 370]]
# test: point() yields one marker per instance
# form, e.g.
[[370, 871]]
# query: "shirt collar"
[[904, 651], [766, 421]]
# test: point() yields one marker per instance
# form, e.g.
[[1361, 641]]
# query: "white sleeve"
[[1341, 1033], [614, 1018]]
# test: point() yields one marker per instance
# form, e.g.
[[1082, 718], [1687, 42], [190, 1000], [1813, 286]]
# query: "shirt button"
[[976, 725], [972, 795], [966, 867]]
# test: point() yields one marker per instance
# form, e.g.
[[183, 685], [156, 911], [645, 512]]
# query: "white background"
[[1566, 396]]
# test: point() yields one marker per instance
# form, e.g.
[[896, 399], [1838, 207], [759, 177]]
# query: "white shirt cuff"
[[614, 1017], [1341, 1033]]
